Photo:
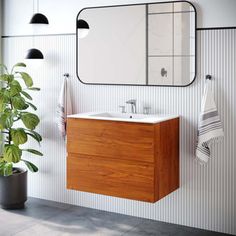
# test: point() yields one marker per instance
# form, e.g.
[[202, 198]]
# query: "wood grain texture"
[[166, 157], [121, 140], [131, 160], [113, 177]]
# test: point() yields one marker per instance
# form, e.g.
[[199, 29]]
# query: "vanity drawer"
[[119, 178], [118, 140]]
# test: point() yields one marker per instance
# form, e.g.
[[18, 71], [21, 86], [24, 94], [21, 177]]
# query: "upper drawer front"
[[121, 140]]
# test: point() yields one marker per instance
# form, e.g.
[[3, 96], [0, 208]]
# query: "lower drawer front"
[[111, 177]]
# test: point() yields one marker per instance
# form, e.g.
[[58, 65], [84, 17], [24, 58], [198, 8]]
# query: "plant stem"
[[9, 137]]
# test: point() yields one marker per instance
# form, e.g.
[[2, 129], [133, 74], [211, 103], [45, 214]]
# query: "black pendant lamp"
[[39, 18], [34, 53], [83, 28]]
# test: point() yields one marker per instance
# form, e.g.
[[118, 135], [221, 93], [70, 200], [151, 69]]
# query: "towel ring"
[[208, 77]]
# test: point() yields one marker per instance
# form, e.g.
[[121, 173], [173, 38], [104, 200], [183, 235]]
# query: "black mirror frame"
[[143, 85]]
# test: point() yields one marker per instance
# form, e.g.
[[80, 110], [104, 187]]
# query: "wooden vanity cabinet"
[[139, 161]]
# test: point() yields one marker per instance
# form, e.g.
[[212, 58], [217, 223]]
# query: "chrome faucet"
[[132, 102]]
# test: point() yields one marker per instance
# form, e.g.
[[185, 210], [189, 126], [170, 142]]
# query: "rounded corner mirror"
[[130, 45]]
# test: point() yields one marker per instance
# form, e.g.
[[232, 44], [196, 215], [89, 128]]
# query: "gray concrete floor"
[[46, 218]]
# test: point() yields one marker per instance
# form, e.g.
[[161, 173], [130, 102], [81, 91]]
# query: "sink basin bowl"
[[121, 115], [125, 117]]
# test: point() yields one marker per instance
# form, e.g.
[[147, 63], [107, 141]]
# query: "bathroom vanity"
[[123, 155]]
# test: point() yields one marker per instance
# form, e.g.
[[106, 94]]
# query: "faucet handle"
[[146, 110], [122, 109]]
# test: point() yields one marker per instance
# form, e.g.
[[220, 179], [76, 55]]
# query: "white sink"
[[125, 117], [121, 115]]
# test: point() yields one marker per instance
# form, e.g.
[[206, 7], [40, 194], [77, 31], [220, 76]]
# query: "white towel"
[[64, 107], [209, 126]]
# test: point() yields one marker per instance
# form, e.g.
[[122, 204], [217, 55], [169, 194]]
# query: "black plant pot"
[[13, 190]]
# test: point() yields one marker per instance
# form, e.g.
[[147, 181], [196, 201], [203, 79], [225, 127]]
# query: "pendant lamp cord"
[[33, 41], [37, 5], [33, 14]]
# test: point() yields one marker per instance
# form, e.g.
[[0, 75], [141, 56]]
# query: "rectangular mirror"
[[140, 44]]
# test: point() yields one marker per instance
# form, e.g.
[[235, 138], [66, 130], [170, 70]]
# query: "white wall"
[[62, 13], [207, 196]]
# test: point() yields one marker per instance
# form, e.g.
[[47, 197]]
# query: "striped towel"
[[209, 126], [64, 107]]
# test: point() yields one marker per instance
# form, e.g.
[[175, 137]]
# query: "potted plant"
[[16, 126]]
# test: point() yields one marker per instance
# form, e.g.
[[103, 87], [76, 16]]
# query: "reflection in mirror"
[[83, 28], [143, 44]]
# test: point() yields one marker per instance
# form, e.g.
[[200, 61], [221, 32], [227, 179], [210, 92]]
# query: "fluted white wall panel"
[[206, 197]]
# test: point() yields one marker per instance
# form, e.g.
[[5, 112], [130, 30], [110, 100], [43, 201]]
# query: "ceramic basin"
[[125, 117]]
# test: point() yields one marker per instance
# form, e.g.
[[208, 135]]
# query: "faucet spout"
[[132, 102]]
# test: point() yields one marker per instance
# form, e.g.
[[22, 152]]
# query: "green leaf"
[[15, 88], [19, 64], [9, 121], [6, 120], [4, 67], [6, 96], [31, 166], [1, 158], [18, 136], [39, 137], [3, 118], [10, 78], [26, 95], [30, 120], [12, 153], [6, 169], [33, 151], [2, 103], [14, 91], [31, 135], [27, 79], [34, 88], [34, 135], [15, 83], [6, 77], [2, 169], [19, 103], [32, 105]]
